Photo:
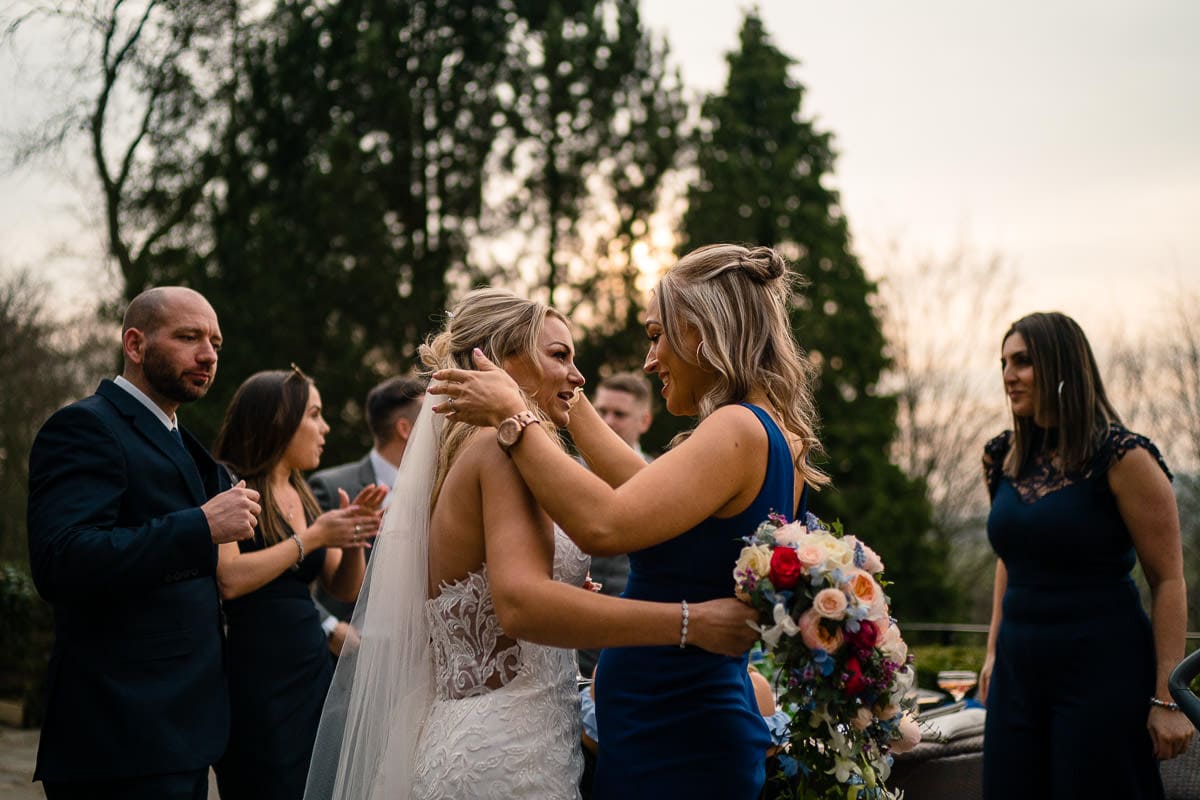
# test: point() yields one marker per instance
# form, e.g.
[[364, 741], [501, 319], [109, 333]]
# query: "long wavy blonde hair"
[[736, 298], [502, 325]]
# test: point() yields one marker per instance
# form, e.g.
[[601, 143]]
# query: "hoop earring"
[[1060, 388]]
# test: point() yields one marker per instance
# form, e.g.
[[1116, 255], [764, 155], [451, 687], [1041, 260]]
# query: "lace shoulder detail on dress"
[[1120, 440], [993, 460]]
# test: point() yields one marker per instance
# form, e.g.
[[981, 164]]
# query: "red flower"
[[855, 682], [785, 568], [865, 637]]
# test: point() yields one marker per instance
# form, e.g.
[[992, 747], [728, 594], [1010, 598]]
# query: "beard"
[[161, 375]]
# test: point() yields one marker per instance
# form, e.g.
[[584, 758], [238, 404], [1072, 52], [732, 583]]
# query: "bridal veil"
[[382, 689]]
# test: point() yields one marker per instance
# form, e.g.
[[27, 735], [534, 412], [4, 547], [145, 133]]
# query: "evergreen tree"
[[377, 157], [350, 190], [762, 175]]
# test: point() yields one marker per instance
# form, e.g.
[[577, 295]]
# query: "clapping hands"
[[352, 526]]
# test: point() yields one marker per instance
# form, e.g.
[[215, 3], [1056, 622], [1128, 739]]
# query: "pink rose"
[[873, 563], [830, 603], [810, 553], [815, 635], [791, 534], [910, 735]]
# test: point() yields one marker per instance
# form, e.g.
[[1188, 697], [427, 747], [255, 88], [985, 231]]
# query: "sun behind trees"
[[331, 175]]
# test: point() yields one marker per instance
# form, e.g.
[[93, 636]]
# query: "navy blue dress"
[[279, 672], [683, 722], [1075, 662]]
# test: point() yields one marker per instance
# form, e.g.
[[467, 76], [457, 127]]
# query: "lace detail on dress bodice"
[[1042, 474], [505, 722], [471, 653]]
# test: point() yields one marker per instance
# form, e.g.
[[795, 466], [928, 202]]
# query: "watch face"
[[507, 433]]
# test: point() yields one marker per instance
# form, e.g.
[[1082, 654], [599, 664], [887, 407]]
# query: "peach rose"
[[868, 592], [830, 603], [815, 636]]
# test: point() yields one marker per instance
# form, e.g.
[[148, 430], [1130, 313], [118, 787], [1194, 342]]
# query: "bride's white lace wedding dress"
[[505, 720], [432, 699]]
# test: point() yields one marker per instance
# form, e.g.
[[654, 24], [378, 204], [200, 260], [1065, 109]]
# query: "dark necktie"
[[178, 437]]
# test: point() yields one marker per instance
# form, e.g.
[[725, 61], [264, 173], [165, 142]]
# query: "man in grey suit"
[[391, 410]]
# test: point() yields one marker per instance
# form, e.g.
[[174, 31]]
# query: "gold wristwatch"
[[508, 432]]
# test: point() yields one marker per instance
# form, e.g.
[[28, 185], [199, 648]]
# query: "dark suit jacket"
[[352, 478], [119, 546]]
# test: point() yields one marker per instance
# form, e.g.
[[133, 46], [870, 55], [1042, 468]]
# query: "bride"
[[459, 686]]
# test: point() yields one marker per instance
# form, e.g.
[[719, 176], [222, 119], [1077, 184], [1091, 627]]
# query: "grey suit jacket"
[[351, 477]]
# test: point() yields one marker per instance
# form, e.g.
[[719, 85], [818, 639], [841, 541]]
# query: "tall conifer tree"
[[763, 179], [376, 157]]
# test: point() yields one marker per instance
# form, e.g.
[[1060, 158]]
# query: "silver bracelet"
[[1154, 701], [683, 623], [300, 547]]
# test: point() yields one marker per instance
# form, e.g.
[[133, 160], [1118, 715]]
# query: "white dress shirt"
[[142, 398]]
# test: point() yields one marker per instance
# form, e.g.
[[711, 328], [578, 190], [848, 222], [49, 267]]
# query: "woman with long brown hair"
[[1075, 677], [279, 665]]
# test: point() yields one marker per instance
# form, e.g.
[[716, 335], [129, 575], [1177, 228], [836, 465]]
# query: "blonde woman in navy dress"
[[678, 722], [1075, 678]]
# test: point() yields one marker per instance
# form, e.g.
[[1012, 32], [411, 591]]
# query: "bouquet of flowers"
[[841, 667]]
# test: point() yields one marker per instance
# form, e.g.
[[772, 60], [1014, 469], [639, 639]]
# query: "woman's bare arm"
[[1147, 506], [531, 605]]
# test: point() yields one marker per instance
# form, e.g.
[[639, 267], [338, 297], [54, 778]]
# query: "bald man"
[[126, 510]]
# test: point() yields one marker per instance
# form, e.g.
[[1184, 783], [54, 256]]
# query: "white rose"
[[837, 554], [756, 560]]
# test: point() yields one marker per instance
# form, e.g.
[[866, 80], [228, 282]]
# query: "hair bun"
[[764, 264], [435, 352]]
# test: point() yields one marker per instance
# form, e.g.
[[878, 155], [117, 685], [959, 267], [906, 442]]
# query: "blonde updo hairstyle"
[[736, 299], [503, 326]]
